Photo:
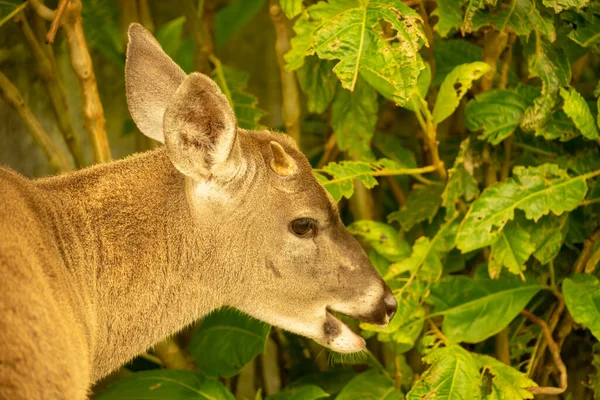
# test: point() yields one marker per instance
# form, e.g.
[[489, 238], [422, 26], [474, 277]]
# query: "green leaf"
[[233, 17], [497, 113], [370, 385], [345, 172], [308, 392], [10, 8], [331, 381], [451, 53], [427, 255], [507, 382], [475, 309], [587, 35], [353, 119], [594, 378], [521, 15], [291, 8], [349, 31], [579, 112], [582, 297], [226, 341], [560, 127], [560, 5], [318, 82], [422, 204], [423, 83], [234, 81], [473, 6], [535, 190], [512, 249], [165, 384], [449, 15], [461, 182], [551, 65], [382, 237], [453, 375], [455, 86], [548, 236], [170, 36]]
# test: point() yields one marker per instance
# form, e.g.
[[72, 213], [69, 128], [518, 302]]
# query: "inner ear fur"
[[200, 129], [151, 79]]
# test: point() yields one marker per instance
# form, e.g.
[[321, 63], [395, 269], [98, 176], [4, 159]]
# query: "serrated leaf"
[[551, 65], [560, 5], [582, 297], [449, 15], [422, 204], [244, 104], [577, 109], [559, 126], [497, 113], [345, 172], [307, 392], [512, 249], [452, 376], [475, 309], [318, 82], [427, 255], [353, 119], [520, 15], [455, 86], [461, 182], [547, 235], [472, 7], [291, 8], [166, 384], [382, 237], [507, 382], [535, 190], [349, 31], [451, 53], [370, 385], [226, 341]]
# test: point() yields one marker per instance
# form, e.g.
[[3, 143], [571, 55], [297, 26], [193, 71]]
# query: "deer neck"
[[150, 264]]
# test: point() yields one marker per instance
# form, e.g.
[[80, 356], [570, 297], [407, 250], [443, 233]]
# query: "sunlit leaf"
[[451, 53], [452, 376], [461, 182], [307, 392], [166, 384], [560, 5], [577, 109], [422, 204], [349, 31], [382, 237], [507, 382], [449, 15], [512, 249], [226, 341], [318, 82], [497, 113], [476, 308], [370, 385], [582, 297], [291, 8], [535, 190], [455, 86], [353, 119]]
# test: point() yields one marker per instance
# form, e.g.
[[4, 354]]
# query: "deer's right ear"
[[151, 80]]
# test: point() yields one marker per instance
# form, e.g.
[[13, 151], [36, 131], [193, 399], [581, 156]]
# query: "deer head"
[[277, 247]]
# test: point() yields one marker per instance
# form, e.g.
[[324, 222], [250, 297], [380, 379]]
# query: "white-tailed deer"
[[100, 264]]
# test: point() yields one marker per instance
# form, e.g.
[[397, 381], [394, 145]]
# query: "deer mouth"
[[339, 337]]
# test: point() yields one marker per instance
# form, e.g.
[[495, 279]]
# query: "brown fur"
[[100, 264]]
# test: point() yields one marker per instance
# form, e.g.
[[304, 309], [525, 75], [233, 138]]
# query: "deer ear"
[[151, 79], [201, 130]]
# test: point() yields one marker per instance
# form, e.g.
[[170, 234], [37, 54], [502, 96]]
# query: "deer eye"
[[303, 227]]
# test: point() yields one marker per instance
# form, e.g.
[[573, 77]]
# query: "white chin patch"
[[209, 191], [340, 338]]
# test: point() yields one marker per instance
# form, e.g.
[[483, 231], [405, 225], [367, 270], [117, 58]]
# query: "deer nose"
[[391, 305]]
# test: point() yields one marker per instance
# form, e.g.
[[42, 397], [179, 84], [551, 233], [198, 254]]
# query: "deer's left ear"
[[201, 130]]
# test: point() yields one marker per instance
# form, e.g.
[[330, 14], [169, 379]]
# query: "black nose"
[[391, 305]]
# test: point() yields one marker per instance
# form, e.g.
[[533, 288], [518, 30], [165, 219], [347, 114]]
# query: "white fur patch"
[[209, 191]]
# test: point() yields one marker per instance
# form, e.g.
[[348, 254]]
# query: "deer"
[[100, 264]]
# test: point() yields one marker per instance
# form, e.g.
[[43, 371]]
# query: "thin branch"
[[56, 21], [42, 10], [330, 147], [57, 159], [172, 355], [289, 87], [555, 351], [397, 191], [502, 344], [590, 266], [585, 254], [56, 91], [494, 43]]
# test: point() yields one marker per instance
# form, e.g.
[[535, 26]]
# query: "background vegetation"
[[460, 138]]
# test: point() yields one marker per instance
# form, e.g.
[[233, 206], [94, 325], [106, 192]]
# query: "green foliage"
[[307, 392], [582, 297], [371, 385]]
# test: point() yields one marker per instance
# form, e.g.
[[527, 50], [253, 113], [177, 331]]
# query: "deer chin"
[[338, 337]]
